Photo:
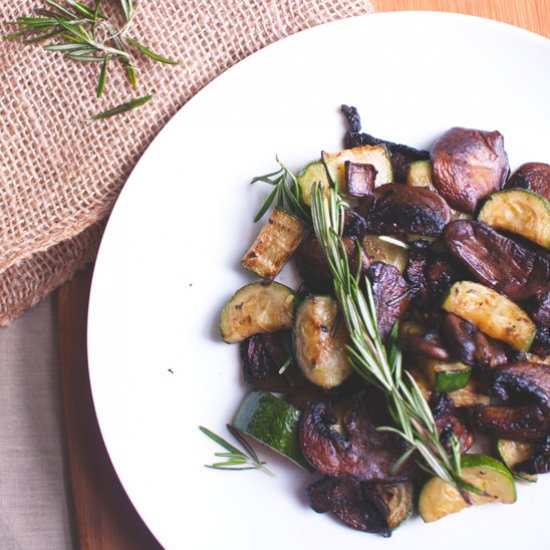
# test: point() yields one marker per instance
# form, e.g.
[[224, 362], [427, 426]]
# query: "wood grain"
[[533, 15], [105, 517]]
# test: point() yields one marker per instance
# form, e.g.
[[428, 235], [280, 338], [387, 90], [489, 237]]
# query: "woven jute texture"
[[61, 172]]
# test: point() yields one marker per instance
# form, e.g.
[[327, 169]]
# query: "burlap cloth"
[[60, 172]]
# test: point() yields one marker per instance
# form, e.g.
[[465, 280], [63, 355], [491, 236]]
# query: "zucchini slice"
[[492, 313], [319, 345], [519, 211], [445, 377], [277, 241], [273, 422], [420, 174], [377, 155], [439, 499], [470, 395], [515, 452], [382, 250], [255, 308], [314, 172], [396, 499]]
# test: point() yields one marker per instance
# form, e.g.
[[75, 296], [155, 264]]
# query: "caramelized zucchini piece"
[[492, 313], [516, 452], [314, 172], [319, 345], [256, 308], [519, 211], [470, 395], [277, 241], [380, 249], [443, 376], [376, 155], [395, 501], [420, 174], [438, 498]]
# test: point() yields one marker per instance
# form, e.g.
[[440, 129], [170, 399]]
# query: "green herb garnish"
[[84, 33], [235, 459], [123, 108], [378, 364]]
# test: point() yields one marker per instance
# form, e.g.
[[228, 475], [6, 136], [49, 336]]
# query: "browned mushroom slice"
[[440, 274], [359, 178], [400, 210], [469, 165], [391, 295], [401, 155], [415, 273], [414, 337], [497, 261], [539, 461], [459, 336], [534, 176], [449, 421], [490, 353], [524, 381], [540, 311], [541, 343], [346, 499], [527, 423], [354, 224], [354, 448], [313, 266]]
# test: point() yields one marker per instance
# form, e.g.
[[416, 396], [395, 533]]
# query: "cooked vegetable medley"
[[453, 254]]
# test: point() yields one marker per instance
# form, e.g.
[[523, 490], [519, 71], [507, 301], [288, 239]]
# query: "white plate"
[[170, 259]]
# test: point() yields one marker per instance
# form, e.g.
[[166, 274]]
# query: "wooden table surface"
[[106, 520]]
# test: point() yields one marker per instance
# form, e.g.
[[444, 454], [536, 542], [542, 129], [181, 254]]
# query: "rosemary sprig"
[[84, 33], [123, 108], [378, 364], [285, 195], [235, 459]]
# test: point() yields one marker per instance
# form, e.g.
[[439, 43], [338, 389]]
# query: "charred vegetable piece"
[[497, 261], [459, 335], [419, 256], [273, 422], [492, 313], [264, 355], [534, 176], [414, 337], [394, 500], [257, 308], [541, 343], [469, 165], [380, 250], [540, 312], [450, 421], [527, 422], [277, 241], [438, 498], [391, 295], [440, 274], [352, 447], [314, 172], [519, 211], [377, 156], [354, 224], [513, 453], [472, 394], [539, 461], [320, 338], [401, 155], [445, 377], [359, 178], [420, 174], [313, 266], [399, 210], [489, 353], [347, 500]]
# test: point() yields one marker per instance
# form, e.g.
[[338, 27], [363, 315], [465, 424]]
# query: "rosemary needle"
[[123, 108]]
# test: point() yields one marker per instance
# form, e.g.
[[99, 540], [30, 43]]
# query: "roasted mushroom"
[[401, 210], [449, 421], [414, 337], [497, 261], [419, 256], [401, 155], [391, 295], [539, 461], [469, 165], [534, 176], [540, 310], [527, 384], [352, 447]]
